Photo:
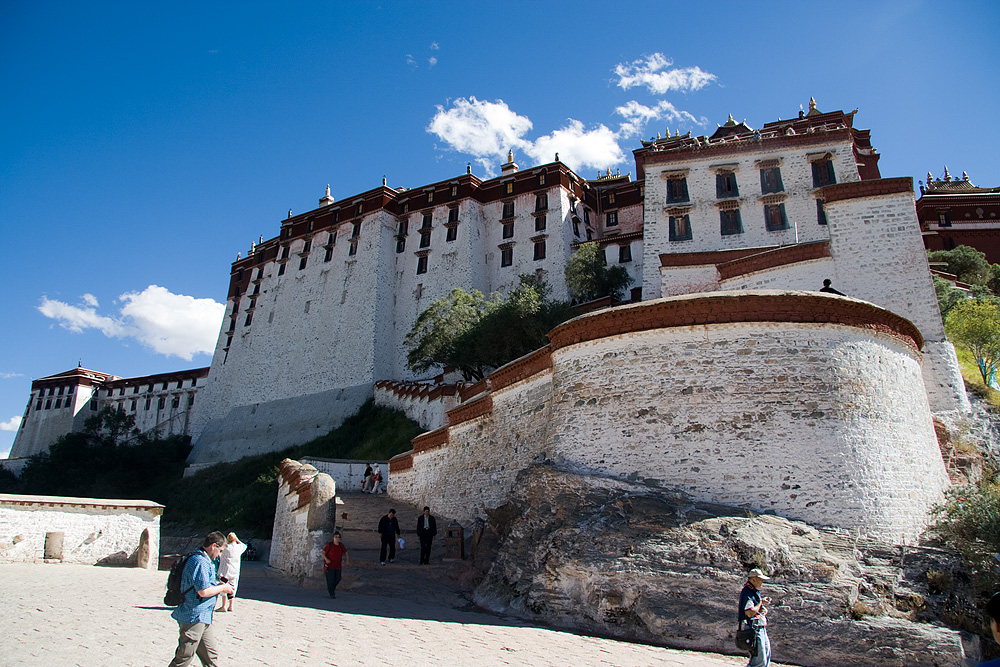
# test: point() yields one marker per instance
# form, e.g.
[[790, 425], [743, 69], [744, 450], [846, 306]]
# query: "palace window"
[[624, 254], [148, 402], [302, 263], [677, 190], [430, 197], [541, 178], [774, 217], [160, 403], [539, 250], [770, 180], [541, 202], [730, 222], [508, 209], [427, 221], [820, 212], [422, 264], [611, 219], [425, 239], [451, 234], [611, 198], [508, 230], [400, 244], [176, 403], [944, 219], [540, 223], [360, 209], [680, 228], [353, 249], [725, 185], [453, 215], [506, 256], [576, 226], [249, 320], [823, 173], [454, 191], [329, 254], [356, 230], [48, 403], [509, 188], [58, 402]]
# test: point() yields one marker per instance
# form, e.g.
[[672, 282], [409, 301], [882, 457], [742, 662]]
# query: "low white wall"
[[303, 519], [93, 529]]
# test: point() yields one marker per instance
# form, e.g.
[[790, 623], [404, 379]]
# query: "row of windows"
[[770, 182], [731, 221], [57, 391], [178, 384]]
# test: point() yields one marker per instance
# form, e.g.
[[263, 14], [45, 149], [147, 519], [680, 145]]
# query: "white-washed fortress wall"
[[425, 404], [90, 529], [303, 519], [801, 404]]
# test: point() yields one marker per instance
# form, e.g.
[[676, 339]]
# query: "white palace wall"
[[805, 405]]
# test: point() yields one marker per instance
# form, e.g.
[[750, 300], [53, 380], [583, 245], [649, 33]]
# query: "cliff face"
[[616, 558]]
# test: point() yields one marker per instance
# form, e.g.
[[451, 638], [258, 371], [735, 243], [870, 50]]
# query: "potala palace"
[[729, 365]]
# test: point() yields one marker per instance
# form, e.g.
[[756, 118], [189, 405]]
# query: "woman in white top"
[[229, 567]]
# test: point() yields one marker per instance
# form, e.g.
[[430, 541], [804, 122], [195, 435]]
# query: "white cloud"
[[485, 130], [434, 46], [637, 116], [11, 424], [7, 376], [577, 146], [170, 324], [655, 73], [432, 61], [90, 300], [410, 60]]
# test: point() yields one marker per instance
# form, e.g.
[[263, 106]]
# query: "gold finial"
[[510, 156], [677, 133], [289, 214], [813, 111]]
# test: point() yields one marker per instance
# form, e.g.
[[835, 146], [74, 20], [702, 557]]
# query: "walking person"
[[993, 616], [229, 569], [334, 558], [377, 480], [426, 530], [753, 612], [388, 529], [367, 482], [194, 615]]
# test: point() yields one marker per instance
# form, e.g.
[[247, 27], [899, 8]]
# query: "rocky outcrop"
[[610, 557]]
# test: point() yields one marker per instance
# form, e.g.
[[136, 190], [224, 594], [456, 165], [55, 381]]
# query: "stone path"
[[57, 615]]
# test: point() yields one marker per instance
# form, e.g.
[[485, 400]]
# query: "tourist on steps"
[[388, 529], [753, 612], [334, 558], [426, 530]]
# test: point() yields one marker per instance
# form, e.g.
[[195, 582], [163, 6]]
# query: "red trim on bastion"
[[872, 188]]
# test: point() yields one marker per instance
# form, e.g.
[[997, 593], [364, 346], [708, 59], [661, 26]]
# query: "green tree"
[[474, 335], [970, 520], [947, 295], [967, 264], [437, 336], [588, 276], [975, 325]]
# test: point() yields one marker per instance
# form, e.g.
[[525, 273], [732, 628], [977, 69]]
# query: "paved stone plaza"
[[57, 615]]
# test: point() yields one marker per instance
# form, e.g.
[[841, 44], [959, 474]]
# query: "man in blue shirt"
[[753, 612], [194, 616], [993, 614]]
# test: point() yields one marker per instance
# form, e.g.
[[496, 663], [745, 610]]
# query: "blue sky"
[[142, 145]]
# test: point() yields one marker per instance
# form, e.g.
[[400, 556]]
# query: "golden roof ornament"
[[510, 156], [813, 111], [730, 122]]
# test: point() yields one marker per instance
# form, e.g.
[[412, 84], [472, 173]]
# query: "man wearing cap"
[[752, 612]]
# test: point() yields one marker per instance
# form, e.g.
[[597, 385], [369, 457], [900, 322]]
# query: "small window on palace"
[[611, 219], [329, 254], [586, 217], [281, 269], [454, 191], [284, 253], [540, 223], [677, 190], [508, 230], [180, 383], [452, 234], [356, 230], [452, 215], [944, 219], [302, 263], [422, 264], [133, 405], [775, 218], [426, 221], [160, 403], [58, 402], [190, 400], [506, 256], [820, 212], [425, 239], [730, 222], [121, 391], [400, 245], [176, 403], [624, 254], [770, 180], [509, 188], [148, 402], [430, 197], [404, 227], [48, 403], [360, 209], [823, 173], [38, 405], [194, 382], [725, 185], [309, 226], [611, 198], [541, 202], [541, 178], [508, 209], [539, 250], [249, 320], [353, 249], [680, 228], [576, 227]]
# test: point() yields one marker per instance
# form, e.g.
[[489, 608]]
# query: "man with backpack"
[[198, 584]]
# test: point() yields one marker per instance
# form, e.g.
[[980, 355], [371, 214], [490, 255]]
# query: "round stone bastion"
[[802, 404]]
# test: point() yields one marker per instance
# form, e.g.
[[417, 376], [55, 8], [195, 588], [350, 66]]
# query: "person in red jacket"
[[334, 558]]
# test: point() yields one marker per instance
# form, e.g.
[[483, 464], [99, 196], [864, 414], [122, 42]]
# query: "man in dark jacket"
[[426, 530], [388, 528]]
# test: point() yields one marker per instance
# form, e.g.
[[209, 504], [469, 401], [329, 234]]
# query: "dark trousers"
[[332, 579], [390, 544], [425, 549]]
